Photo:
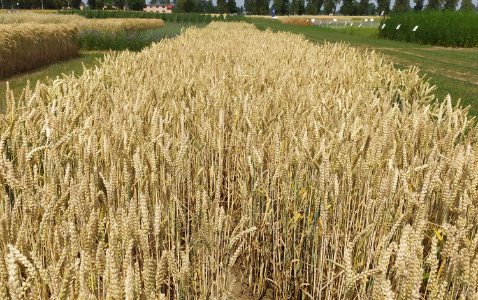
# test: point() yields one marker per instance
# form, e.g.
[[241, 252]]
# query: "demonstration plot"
[[185, 170]]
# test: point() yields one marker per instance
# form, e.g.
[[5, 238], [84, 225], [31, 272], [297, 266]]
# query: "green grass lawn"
[[453, 70]]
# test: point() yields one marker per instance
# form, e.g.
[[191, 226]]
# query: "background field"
[[453, 70], [88, 58]]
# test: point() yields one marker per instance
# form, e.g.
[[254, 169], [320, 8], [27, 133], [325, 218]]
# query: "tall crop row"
[[28, 46], [175, 17], [229, 158], [441, 28]]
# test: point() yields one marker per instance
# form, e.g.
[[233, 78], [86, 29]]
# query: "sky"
[[241, 2]]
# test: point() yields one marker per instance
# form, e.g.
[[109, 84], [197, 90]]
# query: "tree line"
[[349, 7], [205, 6], [260, 7]]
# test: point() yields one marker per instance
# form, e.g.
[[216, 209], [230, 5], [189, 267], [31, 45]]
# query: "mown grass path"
[[453, 70]]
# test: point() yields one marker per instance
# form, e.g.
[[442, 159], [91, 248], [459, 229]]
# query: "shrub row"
[[441, 28], [28, 46], [175, 17]]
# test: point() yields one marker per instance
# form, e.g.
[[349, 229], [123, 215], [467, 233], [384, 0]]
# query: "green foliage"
[[311, 8], [319, 3], [278, 6], [168, 18], [383, 5], [301, 4], [433, 5], [210, 7], [136, 4], [347, 8], [401, 6], [199, 6], [372, 9], [294, 7], [260, 7], [363, 7], [248, 6], [75, 3], [467, 5], [441, 28], [329, 6], [418, 5], [120, 4], [231, 6], [450, 4], [222, 6], [185, 6]]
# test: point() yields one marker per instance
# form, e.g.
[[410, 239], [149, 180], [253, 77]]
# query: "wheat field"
[[106, 25], [28, 46], [233, 159]]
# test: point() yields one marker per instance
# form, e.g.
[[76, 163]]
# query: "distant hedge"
[[174, 17], [441, 28]]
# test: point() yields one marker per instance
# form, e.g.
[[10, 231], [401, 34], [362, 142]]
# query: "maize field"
[[28, 46], [232, 162]]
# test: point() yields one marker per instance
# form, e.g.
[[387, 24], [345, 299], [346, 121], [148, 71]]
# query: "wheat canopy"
[[230, 159]]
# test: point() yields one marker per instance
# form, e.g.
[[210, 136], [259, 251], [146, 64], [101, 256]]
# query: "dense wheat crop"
[[233, 157], [27, 46], [106, 25]]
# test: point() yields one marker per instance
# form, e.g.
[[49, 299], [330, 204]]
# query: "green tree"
[[261, 7], [329, 7], [418, 5], [372, 9], [384, 5], [363, 7], [294, 7], [120, 4], [200, 6], [347, 8], [319, 4], [467, 5], [101, 3], [210, 8], [433, 5], [222, 6], [75, 3], [231, 6], [277, 4], [311, 8], [133, 4], [450, 4], [401, 6], [248, 6], [301, 4]]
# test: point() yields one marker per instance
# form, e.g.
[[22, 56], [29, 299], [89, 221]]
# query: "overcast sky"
[[241, 2]]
